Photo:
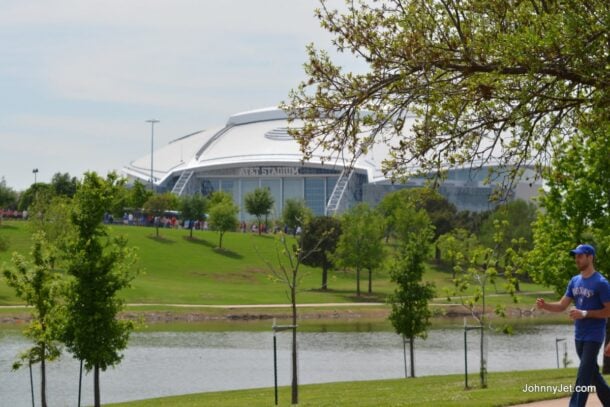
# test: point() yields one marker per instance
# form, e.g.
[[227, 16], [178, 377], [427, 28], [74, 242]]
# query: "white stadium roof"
[[256, 137]]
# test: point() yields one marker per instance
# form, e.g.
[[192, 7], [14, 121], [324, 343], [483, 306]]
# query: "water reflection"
[[167, 363]]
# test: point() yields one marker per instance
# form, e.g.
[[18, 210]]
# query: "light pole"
[[35, 171], [557, 340], [277, 328], [152, 138]]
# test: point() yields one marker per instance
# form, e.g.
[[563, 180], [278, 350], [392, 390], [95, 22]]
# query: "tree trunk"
[[220, 241], [358, 281], [43, 376], [191, 227], [157, 229], [483, 370], [96, 386], [370, 281], [437, 253], [483, 360], [412, 355], [324, 276], [295, 382], [259, 225], [404, 354]]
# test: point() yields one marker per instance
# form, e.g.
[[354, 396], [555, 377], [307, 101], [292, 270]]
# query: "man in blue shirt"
[[590, 292]]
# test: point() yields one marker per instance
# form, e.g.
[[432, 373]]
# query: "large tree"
[[8, 197], [63, 184], [295, 214], [360, 245], [223, 218], [519, 214], [259, 203], [320, 237], [456, 83], [158, 204], [454, 246], [36, 191], [193, 207], [138, 195], [100, 266], [574, 210], [52, 217], [441, 212]]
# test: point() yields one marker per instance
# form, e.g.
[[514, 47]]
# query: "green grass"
[[178, 270], [504, 389]]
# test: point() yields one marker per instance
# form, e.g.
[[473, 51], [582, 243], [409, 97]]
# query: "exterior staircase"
[[182, 183], [336, 197]]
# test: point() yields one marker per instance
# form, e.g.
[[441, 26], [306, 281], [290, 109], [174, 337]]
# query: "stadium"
[[253, 149]]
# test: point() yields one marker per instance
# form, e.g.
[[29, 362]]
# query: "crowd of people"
[[166, 221], [172, 221], [13, 214]]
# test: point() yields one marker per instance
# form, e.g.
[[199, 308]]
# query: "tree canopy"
[[259, 203], [63, 184], [440, 211], [574, 210], [319, 239], [360, 246], [223, 217], [295, 213], [8, 197], [452, 83], [520, 216], [193, 207], [158, 204]]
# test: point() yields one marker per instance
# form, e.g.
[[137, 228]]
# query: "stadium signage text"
[[268, 171]]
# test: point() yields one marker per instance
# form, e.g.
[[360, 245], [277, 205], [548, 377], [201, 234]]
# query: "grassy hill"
[[178, 270], [505, 388]]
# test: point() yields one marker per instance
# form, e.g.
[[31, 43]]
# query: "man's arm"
[[592, 313], [559, 306]]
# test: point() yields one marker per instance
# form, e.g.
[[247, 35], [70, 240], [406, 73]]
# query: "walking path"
[[318, 305], [592, 402]]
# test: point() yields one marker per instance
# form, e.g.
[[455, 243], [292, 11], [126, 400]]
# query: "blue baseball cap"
[[583, 249]]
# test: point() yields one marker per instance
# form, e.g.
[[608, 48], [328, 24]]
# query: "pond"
[[169, 363]]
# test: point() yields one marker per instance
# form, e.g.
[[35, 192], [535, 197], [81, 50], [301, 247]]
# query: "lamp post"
[[35, 171], [277, 328], [152, 138]]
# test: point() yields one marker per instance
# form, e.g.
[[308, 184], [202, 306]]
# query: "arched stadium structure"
[[255, 150]]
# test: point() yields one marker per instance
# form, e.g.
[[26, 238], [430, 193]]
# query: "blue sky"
[[79, 79]]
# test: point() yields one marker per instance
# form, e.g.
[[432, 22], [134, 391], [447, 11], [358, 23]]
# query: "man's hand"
[[559, 306], [607, 350], [540, 303], [576, 314]]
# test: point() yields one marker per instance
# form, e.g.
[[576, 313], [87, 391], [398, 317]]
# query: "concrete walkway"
[[320, 305], [593, 401]]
